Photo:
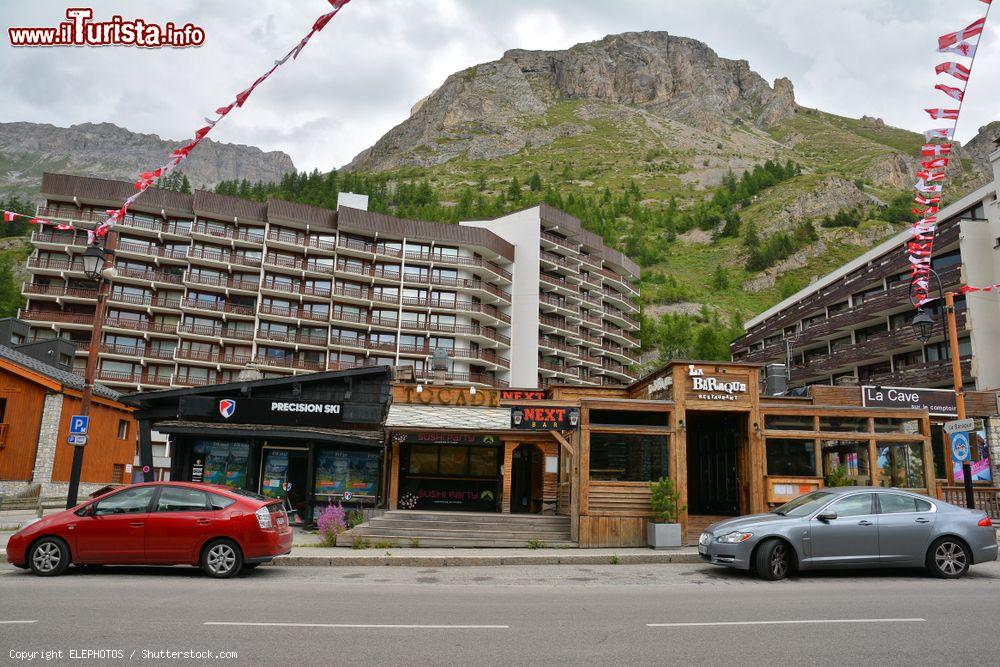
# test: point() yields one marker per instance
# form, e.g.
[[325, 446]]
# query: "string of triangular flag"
[[935, 156], [12, 216], [147, 178]]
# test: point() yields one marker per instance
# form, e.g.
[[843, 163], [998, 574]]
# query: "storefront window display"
[[338, 471], [901, 465], [847, 459], [222, 462], [791, 457], [981, 468], [618, 457]]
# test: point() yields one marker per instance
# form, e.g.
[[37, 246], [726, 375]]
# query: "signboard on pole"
[[78, 424], [960, 425], [960, 449], [76, 440]]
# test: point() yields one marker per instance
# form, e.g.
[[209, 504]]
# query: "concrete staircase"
[[405, 528]]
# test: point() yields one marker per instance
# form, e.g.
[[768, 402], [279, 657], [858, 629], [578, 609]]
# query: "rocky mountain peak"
[[497, 108]]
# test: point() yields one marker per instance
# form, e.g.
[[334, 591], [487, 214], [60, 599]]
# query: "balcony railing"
[[219, 307], [291, 337], [215, 331], [135, 378], [56, 263], [221, 281], [57, 316], [471, 378], [228, 232], [138, 351], [293, 312], [291, 362], [368, 247], [560, 241], [129, 220], [279, 286], [214, 356], [60, 290], [458, 353], [150, 275], [459, 260], [140, 325]]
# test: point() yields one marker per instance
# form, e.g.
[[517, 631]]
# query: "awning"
[[334, 435], [447, 417]]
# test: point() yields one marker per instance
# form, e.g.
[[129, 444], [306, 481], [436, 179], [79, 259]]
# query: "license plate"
[[702, 550], [281, 521]]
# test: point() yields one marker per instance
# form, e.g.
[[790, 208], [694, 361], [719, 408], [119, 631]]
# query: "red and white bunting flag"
[[946, 114], [8, 216], [937, 163], [146, 179], [927, 150], [951, 91], [967, 49], [91, 237], [939, 133], [927, 201], [971, 30], [930, 176], [959, 71], [923, 187]]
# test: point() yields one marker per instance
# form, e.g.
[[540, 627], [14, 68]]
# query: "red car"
[[159, 523]]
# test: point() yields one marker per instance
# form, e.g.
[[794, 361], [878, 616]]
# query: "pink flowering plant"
[[331, 522]]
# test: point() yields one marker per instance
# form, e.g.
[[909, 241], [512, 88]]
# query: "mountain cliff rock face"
[[498, 108], [108, 151]]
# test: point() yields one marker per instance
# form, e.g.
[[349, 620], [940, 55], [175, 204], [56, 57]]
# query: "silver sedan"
[[854, 526]]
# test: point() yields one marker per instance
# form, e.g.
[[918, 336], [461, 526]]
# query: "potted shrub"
[[664, 531]]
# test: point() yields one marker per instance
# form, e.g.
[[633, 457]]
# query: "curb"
[[486, 561]]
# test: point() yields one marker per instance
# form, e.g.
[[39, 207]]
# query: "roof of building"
[[147, 397], [404, 415], [65, 378], [887, 246]]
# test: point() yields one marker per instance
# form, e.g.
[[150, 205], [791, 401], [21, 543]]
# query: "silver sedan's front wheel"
[[221, 559], [948, 558], [773, 560]]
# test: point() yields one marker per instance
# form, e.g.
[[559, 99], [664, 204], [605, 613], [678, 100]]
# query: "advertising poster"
[[338, 471], [981, 468], [275, 473], [224, 462]]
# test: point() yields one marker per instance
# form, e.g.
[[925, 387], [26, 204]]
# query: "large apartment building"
[[205, 286], [854, 325]]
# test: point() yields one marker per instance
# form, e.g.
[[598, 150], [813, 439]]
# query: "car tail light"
[[985, 522], [264, 518]]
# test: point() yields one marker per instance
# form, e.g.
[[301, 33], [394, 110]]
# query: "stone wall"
[[993, 437], [48, 435]]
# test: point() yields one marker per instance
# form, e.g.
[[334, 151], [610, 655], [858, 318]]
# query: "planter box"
[[663, 535]]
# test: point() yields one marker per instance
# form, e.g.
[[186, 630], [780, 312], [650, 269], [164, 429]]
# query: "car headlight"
[[734, 537]]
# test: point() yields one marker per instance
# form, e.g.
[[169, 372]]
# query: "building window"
[[946, 261], [838, 344], [791, 457], [846, 459], [789, 422], [618, 457], [865, 334], [901, 465], [122, 429], [118, 473], [838, 308]]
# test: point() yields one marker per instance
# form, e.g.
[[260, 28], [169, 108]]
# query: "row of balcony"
[[874, 306]]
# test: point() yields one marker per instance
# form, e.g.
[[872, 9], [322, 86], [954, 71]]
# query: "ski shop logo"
[[227, 407]]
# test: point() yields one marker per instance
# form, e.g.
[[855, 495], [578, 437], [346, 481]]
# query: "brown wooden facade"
[[729, 450], [23, 393]]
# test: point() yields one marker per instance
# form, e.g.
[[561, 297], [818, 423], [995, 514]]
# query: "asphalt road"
[[610, 614]]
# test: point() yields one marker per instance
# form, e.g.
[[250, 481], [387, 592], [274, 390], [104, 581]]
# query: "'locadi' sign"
[[434, 395]]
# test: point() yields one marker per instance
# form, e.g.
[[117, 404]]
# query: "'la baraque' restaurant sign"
[[934, 401], [708, 388]]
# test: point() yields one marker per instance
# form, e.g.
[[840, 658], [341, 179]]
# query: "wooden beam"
[[563, 442]]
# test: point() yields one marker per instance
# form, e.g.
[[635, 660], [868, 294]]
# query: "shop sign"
[[450, 494], [708, 388], [261, 411], [457, 396], [445, 439], [544, 418], [934, 401], [522, 394]]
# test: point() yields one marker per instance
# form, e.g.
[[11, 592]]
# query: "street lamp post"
[[97, 259], [925, 322]]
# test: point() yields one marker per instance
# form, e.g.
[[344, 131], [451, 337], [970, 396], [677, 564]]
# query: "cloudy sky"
[[360, 76]]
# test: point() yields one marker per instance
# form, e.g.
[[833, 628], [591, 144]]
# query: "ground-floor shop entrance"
[[714, 457], [449, 471], [284, 474], [526, 480]]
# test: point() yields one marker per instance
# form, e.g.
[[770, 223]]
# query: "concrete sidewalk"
[[435, 557]]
